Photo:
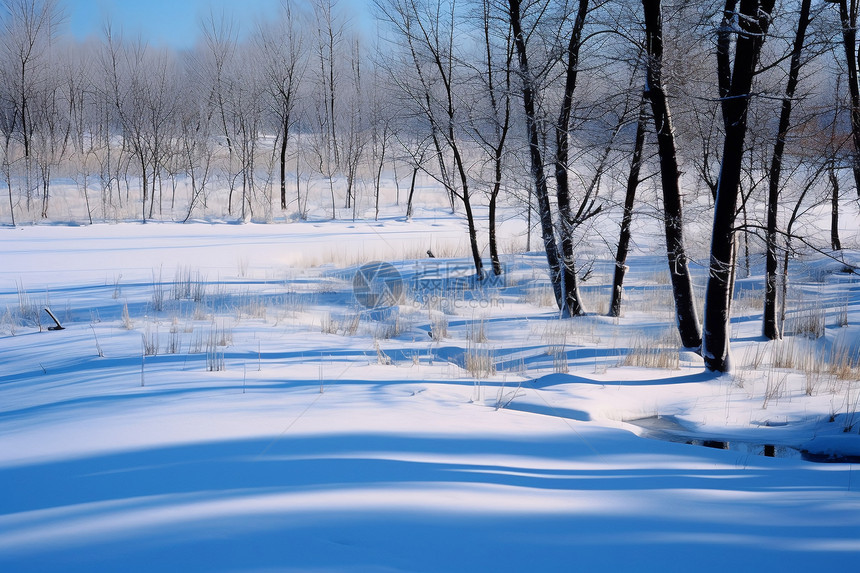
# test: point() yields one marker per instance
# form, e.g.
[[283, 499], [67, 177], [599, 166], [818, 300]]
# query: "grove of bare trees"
[[734, 122]]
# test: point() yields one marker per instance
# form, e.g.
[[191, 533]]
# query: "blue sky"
[[167, 22]]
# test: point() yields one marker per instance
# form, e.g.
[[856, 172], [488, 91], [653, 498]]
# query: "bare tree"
[[282, 46], [382, 124], [429, 33], [770, 325], [535, 153], [328, 38], [491, 128], [50, 123], [197, 149], [83, 117], [673, 219], [560, 250], [848, 16], [29, 29], [353, 140], [161, 99], [750, 24], [215, 61], [8, 126], [633, 180], [123, 66]]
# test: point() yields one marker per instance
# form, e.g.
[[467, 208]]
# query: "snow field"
[[276, 425]]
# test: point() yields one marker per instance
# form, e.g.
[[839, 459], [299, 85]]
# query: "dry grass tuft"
[[655, 351], [480, 362]]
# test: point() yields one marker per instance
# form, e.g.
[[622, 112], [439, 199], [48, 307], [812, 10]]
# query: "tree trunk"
[[299, 187], [333, 205], [570, 286], [411, 192], [45, 195], [753, 23], [467, 204], [848, 16], [682, 285], [379, 170], [145, 188], [473, 240], [491, 221], [835, 243], [537, 170], [627, 219], [770, 323], [497, 186], [501, 130], [284, 136], [11, 203], [396, 183]]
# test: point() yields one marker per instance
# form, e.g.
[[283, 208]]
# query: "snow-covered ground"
[[218, 401]]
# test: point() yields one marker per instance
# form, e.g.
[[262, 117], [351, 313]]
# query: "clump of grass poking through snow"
[[438, 326], [809, 322], [126, 318], [381, 357], [654, 352], [8, 322], [844, 363], [542, 296], [480, 362], [219, 337], [559, 359], [157, 292], [28, 311], [775, 388], [783, 353], [174, 339], [346, 325], [477, 331], [150, 341], [188, 284]]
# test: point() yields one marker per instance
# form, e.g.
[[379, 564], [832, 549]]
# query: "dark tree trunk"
[[11, 203], [473, 240], [753, 23], [770, 324], [379, 171], [45, 196], [494, 249], [570, 287], [535, 155], [682, 284], [299, 188], [627, 219], [835, 243], [284, 138], [724, 58], [848, 16], [145, 188], [502, 126], [467, 205], [411, 192]]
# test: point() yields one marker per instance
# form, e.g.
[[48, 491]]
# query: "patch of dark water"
[[668, 429]]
